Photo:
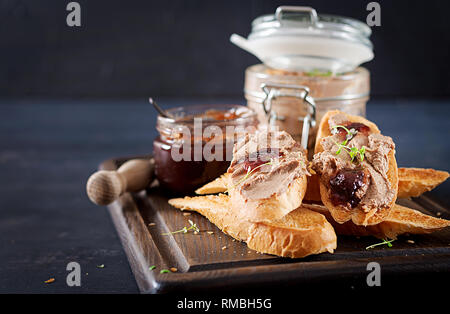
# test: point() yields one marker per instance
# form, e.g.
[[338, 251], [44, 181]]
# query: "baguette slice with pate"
[[267, 176], [357, 169], [300, 233]]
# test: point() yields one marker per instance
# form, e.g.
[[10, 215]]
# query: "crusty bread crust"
[[272, 208], [340, 213], [415, 181], [300, 233], [219, 185]]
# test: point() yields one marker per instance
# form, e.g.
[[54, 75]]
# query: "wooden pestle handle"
[[104, 187]]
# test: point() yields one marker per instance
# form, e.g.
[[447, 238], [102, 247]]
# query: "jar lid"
[[297, 38]]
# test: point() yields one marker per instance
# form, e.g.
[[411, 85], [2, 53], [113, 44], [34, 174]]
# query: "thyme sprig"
[[317, 72], [352, 151], [385, 241], [192, 226], [250, 171]]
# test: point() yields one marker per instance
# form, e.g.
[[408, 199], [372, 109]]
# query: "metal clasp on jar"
[[272, 91]]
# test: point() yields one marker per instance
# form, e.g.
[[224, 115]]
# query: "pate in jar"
[[348, 92]]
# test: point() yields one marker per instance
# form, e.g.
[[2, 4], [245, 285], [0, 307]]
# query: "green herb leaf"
[[164, 271], [353, 151], [250, 171], [101, 266], [335, 127], [193, 226], [385, 241], [152, 267], [362, 151]]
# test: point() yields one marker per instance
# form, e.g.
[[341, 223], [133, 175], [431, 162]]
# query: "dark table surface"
[[49, 148]]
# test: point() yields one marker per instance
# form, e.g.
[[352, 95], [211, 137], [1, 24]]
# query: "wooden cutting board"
[[206, 261]]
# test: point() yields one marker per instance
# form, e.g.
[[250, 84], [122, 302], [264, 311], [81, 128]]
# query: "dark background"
[[73, 97], [181, 47]]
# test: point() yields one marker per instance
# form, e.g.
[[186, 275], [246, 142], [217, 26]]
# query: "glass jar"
[[347, 92], [195, 144], [298, 38], [311, 64]]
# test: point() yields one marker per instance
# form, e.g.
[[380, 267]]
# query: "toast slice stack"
[[300, 233], [401, 220], [276, 238]]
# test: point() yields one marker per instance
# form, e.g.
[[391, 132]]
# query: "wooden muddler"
[[104, 187]]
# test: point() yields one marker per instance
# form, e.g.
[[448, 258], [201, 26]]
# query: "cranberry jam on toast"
[[357, 169]]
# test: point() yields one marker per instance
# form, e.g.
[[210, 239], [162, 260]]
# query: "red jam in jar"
[[196, 145]]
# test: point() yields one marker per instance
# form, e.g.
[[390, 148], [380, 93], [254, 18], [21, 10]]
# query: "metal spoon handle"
[[158, 108]]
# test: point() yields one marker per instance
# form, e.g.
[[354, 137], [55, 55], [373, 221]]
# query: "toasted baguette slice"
[[219, 185], [357, 215], [273, 190], [401, 220], [300, 233], [217, 209], [272, 208], [415, 181]]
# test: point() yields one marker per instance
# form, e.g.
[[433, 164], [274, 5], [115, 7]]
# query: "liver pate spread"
[[266, 163], [354, 165]]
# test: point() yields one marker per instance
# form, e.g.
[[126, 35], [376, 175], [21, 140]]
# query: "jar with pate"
[[311, 64], [286, 92]]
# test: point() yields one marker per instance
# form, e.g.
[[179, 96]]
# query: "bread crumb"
[[438, 214], [249, 252], [209, 232], [410, 241], [152, 224], [186, 214], [224, 248], [195, 232], [173, 269]]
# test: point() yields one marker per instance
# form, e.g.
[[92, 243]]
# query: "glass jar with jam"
[[195, 144]]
